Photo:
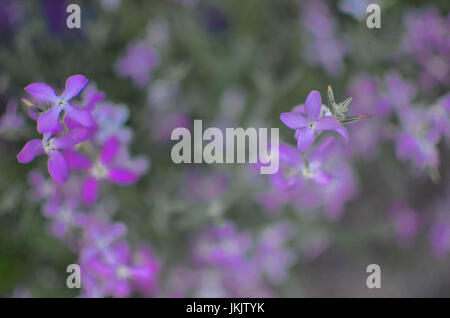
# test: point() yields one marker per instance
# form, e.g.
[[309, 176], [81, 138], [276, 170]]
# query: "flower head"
[[57, 165], [49, 120], [310, 122]]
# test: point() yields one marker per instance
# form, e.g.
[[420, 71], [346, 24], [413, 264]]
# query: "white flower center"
[[48, 146], [99, 170], [123, 272]]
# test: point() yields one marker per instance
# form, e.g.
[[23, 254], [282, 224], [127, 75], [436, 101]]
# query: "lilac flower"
[[205, 187], [426, 41], [100, 240], [111, 119], [105, 167], [137, 63], [65, 215], [416, 140], [145, 258], [406, 222], [294, 170], [325, 47], [42, 188], [367, 98], [49, 120], [440, 239], [57, 165], [307, 125], [11, 120], [273, 256], [221, 245]]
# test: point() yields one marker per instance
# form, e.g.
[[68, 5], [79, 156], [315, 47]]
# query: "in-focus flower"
[[49, 120], [57, 165], [311, 122]]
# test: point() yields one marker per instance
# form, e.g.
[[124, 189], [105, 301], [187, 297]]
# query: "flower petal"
[[327, 123], [331, 123], [90, 190], [74, 85], [289, 155], [293, 120], [31, 149], [76, 161], [71, 139], [122, 176], [109, 150], [48, 121], [322, 178], [57, 166], [42, 92], [324, 152], [83, 117], [305, 139], [313, 105]]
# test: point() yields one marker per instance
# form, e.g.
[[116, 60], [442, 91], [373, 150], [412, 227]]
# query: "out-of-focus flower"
[[325, 48], [295, 170], [105, 167], [427, 41], [138, 62], [406, 223], [11, 121]]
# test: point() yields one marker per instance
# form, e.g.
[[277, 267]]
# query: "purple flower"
[[137, 63], [49, 120], [65, 215], [11, 120], [105, 167], [406, 222], [221, 246], [57, 165], [273, 256], [101, 241], [294, 170], [308, 124]]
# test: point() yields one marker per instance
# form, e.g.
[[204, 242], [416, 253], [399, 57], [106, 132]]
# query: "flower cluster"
[[315, 174], [228, 262], [86, 143]]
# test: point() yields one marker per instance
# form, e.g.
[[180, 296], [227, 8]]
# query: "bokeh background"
[[224, 230]]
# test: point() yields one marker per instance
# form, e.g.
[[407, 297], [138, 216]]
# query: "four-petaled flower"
[[306, 125], [57, 165], [49, 120], [295, 170]]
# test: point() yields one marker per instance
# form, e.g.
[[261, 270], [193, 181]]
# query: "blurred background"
[[225, 230]]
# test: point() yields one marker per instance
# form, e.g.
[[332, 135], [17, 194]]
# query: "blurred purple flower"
[[105, 167], [138, 62], [11, 120], [406, 223]]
